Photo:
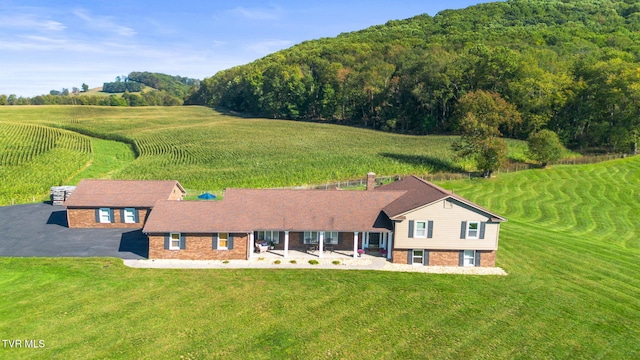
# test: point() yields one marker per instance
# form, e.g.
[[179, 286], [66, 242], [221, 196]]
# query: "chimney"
[[371, 180]]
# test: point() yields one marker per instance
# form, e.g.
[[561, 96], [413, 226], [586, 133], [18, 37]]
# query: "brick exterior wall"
[[488, 258], [86, 218], [400, 256], [445, 257], [198, 247]]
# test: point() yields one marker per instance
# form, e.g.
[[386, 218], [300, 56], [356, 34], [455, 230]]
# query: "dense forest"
[[568, 66]]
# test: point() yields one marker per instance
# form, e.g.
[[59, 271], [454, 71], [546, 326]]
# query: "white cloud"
[[48, 44], [268, 46], [218, 43], [28, 21], [273, 13], [104, 23]]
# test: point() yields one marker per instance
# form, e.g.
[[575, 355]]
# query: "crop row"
[[21, 143], [31, 180]]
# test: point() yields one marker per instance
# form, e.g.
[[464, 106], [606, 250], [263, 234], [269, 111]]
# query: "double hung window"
[[129, 215], [104, 215], [223, 241], [174, 241], [473, 229], [421, 229], [417, 257]]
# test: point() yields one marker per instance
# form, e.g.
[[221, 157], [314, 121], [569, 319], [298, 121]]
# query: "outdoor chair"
[[262, 248]]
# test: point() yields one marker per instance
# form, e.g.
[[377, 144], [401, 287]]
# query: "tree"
[[484, 115], [85, 87], [65, 92], [544, 146]]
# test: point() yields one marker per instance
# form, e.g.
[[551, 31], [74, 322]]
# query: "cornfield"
[[203, 149], [35, 157]]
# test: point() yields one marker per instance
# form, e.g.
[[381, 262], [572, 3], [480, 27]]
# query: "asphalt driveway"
[[41, 230]]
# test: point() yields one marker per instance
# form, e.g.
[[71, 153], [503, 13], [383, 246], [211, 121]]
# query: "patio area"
[[315, 254]]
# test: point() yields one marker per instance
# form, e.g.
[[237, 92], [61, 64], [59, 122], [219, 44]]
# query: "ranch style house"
[[409, 221]]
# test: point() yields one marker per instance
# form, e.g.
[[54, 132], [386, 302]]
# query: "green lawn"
[[573, 291]]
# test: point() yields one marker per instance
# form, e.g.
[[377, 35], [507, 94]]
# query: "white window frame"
[[226, 238], [333, 236], [414, 257], [477, 230], [129, 215], [469, 258], [173, 237], [313, 237], [101, 215], [268, 236], [415, 229]]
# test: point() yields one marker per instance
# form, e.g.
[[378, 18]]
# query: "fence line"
[[442, 176], [513, 167]]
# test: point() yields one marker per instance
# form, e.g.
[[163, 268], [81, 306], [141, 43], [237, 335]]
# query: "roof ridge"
[[129, 180], [434, 186]]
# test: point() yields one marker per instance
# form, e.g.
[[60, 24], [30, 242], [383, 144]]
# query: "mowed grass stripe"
[[574, 261], [584, 197]]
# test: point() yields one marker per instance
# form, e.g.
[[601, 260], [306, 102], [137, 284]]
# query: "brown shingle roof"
[[120, 193], [244, 210], [419, 193]]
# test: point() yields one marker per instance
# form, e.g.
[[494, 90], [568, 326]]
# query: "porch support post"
[[286, 243], [355, 244], [252, 245], [320, 243], [389, 245]]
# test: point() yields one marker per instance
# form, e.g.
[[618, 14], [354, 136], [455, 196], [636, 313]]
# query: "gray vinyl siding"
[[447, 228]]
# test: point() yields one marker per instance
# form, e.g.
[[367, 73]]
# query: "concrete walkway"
[[372, 263]]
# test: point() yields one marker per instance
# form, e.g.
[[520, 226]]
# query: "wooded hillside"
[[571, 67]]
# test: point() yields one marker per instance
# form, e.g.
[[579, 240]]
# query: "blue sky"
[[51, 44]]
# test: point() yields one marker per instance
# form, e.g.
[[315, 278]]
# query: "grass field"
[[573, 292], [208, 151]]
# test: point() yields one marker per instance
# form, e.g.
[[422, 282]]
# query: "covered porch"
[[304, 255], [320, 244]]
